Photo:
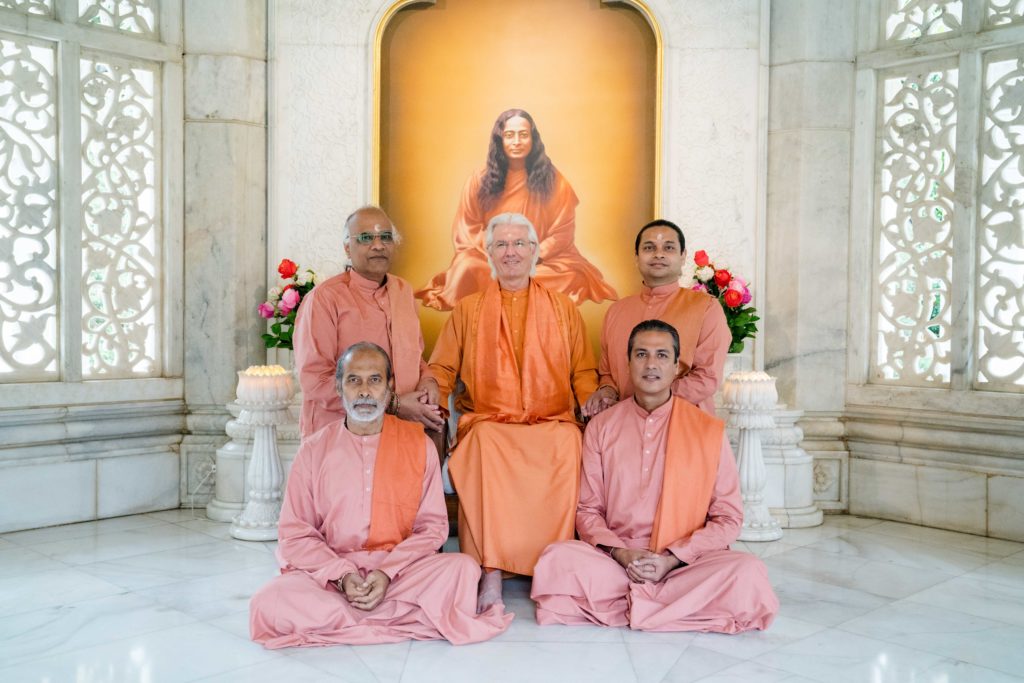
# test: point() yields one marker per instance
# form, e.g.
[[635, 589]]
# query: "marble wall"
[[225, 219], [713, 140], [809, 137]]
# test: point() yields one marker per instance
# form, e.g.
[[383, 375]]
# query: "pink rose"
[[266, 310], [699, 287], [289, 300], [746, 296]]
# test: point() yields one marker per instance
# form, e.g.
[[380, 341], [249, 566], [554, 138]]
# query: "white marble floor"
[[164, 596]]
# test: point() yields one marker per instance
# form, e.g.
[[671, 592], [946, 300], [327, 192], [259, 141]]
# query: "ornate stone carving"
[[121, 227], [28, 6], [824, 477], [28, 210], [915, 171], [909, 20], [127, 16], [1000, 278], [1003, 12]]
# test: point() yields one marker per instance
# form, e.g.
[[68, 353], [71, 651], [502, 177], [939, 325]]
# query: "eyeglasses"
[[368, 237], [517, 245]]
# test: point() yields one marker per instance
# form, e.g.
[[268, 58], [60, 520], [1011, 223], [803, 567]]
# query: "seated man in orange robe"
[[704, 336], [365, 303], [522, 352], [362, 520], [659, 506]]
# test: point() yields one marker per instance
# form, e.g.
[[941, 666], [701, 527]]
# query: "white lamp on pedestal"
[[749, 397], [264, 394]]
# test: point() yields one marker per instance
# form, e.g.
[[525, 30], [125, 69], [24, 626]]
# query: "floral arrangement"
[[283, 303], [734, 295]]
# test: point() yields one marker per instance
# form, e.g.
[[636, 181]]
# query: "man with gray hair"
[[364, 303], [523, 354], [361, 523]]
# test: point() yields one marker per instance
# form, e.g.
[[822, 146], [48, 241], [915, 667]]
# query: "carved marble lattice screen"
[[948, 305], [80, 196], [1000, 231], [917, 124]]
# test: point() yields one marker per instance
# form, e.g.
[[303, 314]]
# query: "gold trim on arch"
[[398, 5]]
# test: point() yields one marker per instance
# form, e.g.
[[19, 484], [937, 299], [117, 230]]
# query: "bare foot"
[[490, 590]]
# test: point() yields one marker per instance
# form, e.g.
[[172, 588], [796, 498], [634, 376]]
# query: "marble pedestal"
[[790, 469], [229, 497]]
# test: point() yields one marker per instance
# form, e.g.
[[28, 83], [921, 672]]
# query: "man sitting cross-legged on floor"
[[362, 520], [659, 506]]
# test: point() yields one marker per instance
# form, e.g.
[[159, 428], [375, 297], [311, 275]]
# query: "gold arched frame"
[[399, 5]]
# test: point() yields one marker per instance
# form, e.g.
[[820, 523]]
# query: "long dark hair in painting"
[[540, 172]]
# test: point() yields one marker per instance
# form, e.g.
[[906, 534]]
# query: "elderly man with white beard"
[[361, 524]]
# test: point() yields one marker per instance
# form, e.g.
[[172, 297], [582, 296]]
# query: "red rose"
[[287, 268], [722, 277], [701, 258], [731, 297]]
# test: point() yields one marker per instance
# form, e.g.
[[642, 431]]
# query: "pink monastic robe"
[[339, 312], [323, 530], [623, 465], [700, 321]]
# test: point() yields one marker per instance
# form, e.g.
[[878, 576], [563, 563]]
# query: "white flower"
[[273, 294], [705, 273], [302, 277], [314, 277]]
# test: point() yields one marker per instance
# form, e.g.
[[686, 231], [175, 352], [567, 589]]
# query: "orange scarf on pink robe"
[[692, 453], [541, 390], [397, 483], [405, 337]]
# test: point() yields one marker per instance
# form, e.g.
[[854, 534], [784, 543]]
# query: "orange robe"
[[339, 312], [359, 503], [561, 268], [526, 364], [704, 340]]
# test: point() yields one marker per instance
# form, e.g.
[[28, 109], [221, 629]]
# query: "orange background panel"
[[587, 74]]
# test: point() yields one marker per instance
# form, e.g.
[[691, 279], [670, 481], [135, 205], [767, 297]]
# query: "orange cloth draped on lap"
[[562, 267], [691, 465], [516, 466], [397, 475]]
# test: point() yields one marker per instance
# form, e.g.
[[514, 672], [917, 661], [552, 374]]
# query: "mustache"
[[365, 402]]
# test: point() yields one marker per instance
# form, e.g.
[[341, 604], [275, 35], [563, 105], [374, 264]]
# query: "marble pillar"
[[809, 136], [225, 218]]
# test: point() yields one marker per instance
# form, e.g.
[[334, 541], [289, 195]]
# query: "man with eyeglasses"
[[364, 303], [523, 354]]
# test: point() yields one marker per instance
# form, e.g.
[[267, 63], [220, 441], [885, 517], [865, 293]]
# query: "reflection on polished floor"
[[164, 597]]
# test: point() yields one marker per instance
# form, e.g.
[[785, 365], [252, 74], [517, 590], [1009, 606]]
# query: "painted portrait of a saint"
[[517, 177]]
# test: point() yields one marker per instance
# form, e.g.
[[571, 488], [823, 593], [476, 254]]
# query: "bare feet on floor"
[[490, 590]]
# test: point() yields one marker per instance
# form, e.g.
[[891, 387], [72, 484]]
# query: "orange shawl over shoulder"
[[692, 454], [397, 483], [540, 391]]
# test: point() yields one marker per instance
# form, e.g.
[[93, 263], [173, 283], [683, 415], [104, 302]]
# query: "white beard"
[[361, 417]]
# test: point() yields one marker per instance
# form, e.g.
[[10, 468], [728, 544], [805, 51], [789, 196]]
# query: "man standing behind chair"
[[364, 303], [523, 354], [703, 333], [659, 505]]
